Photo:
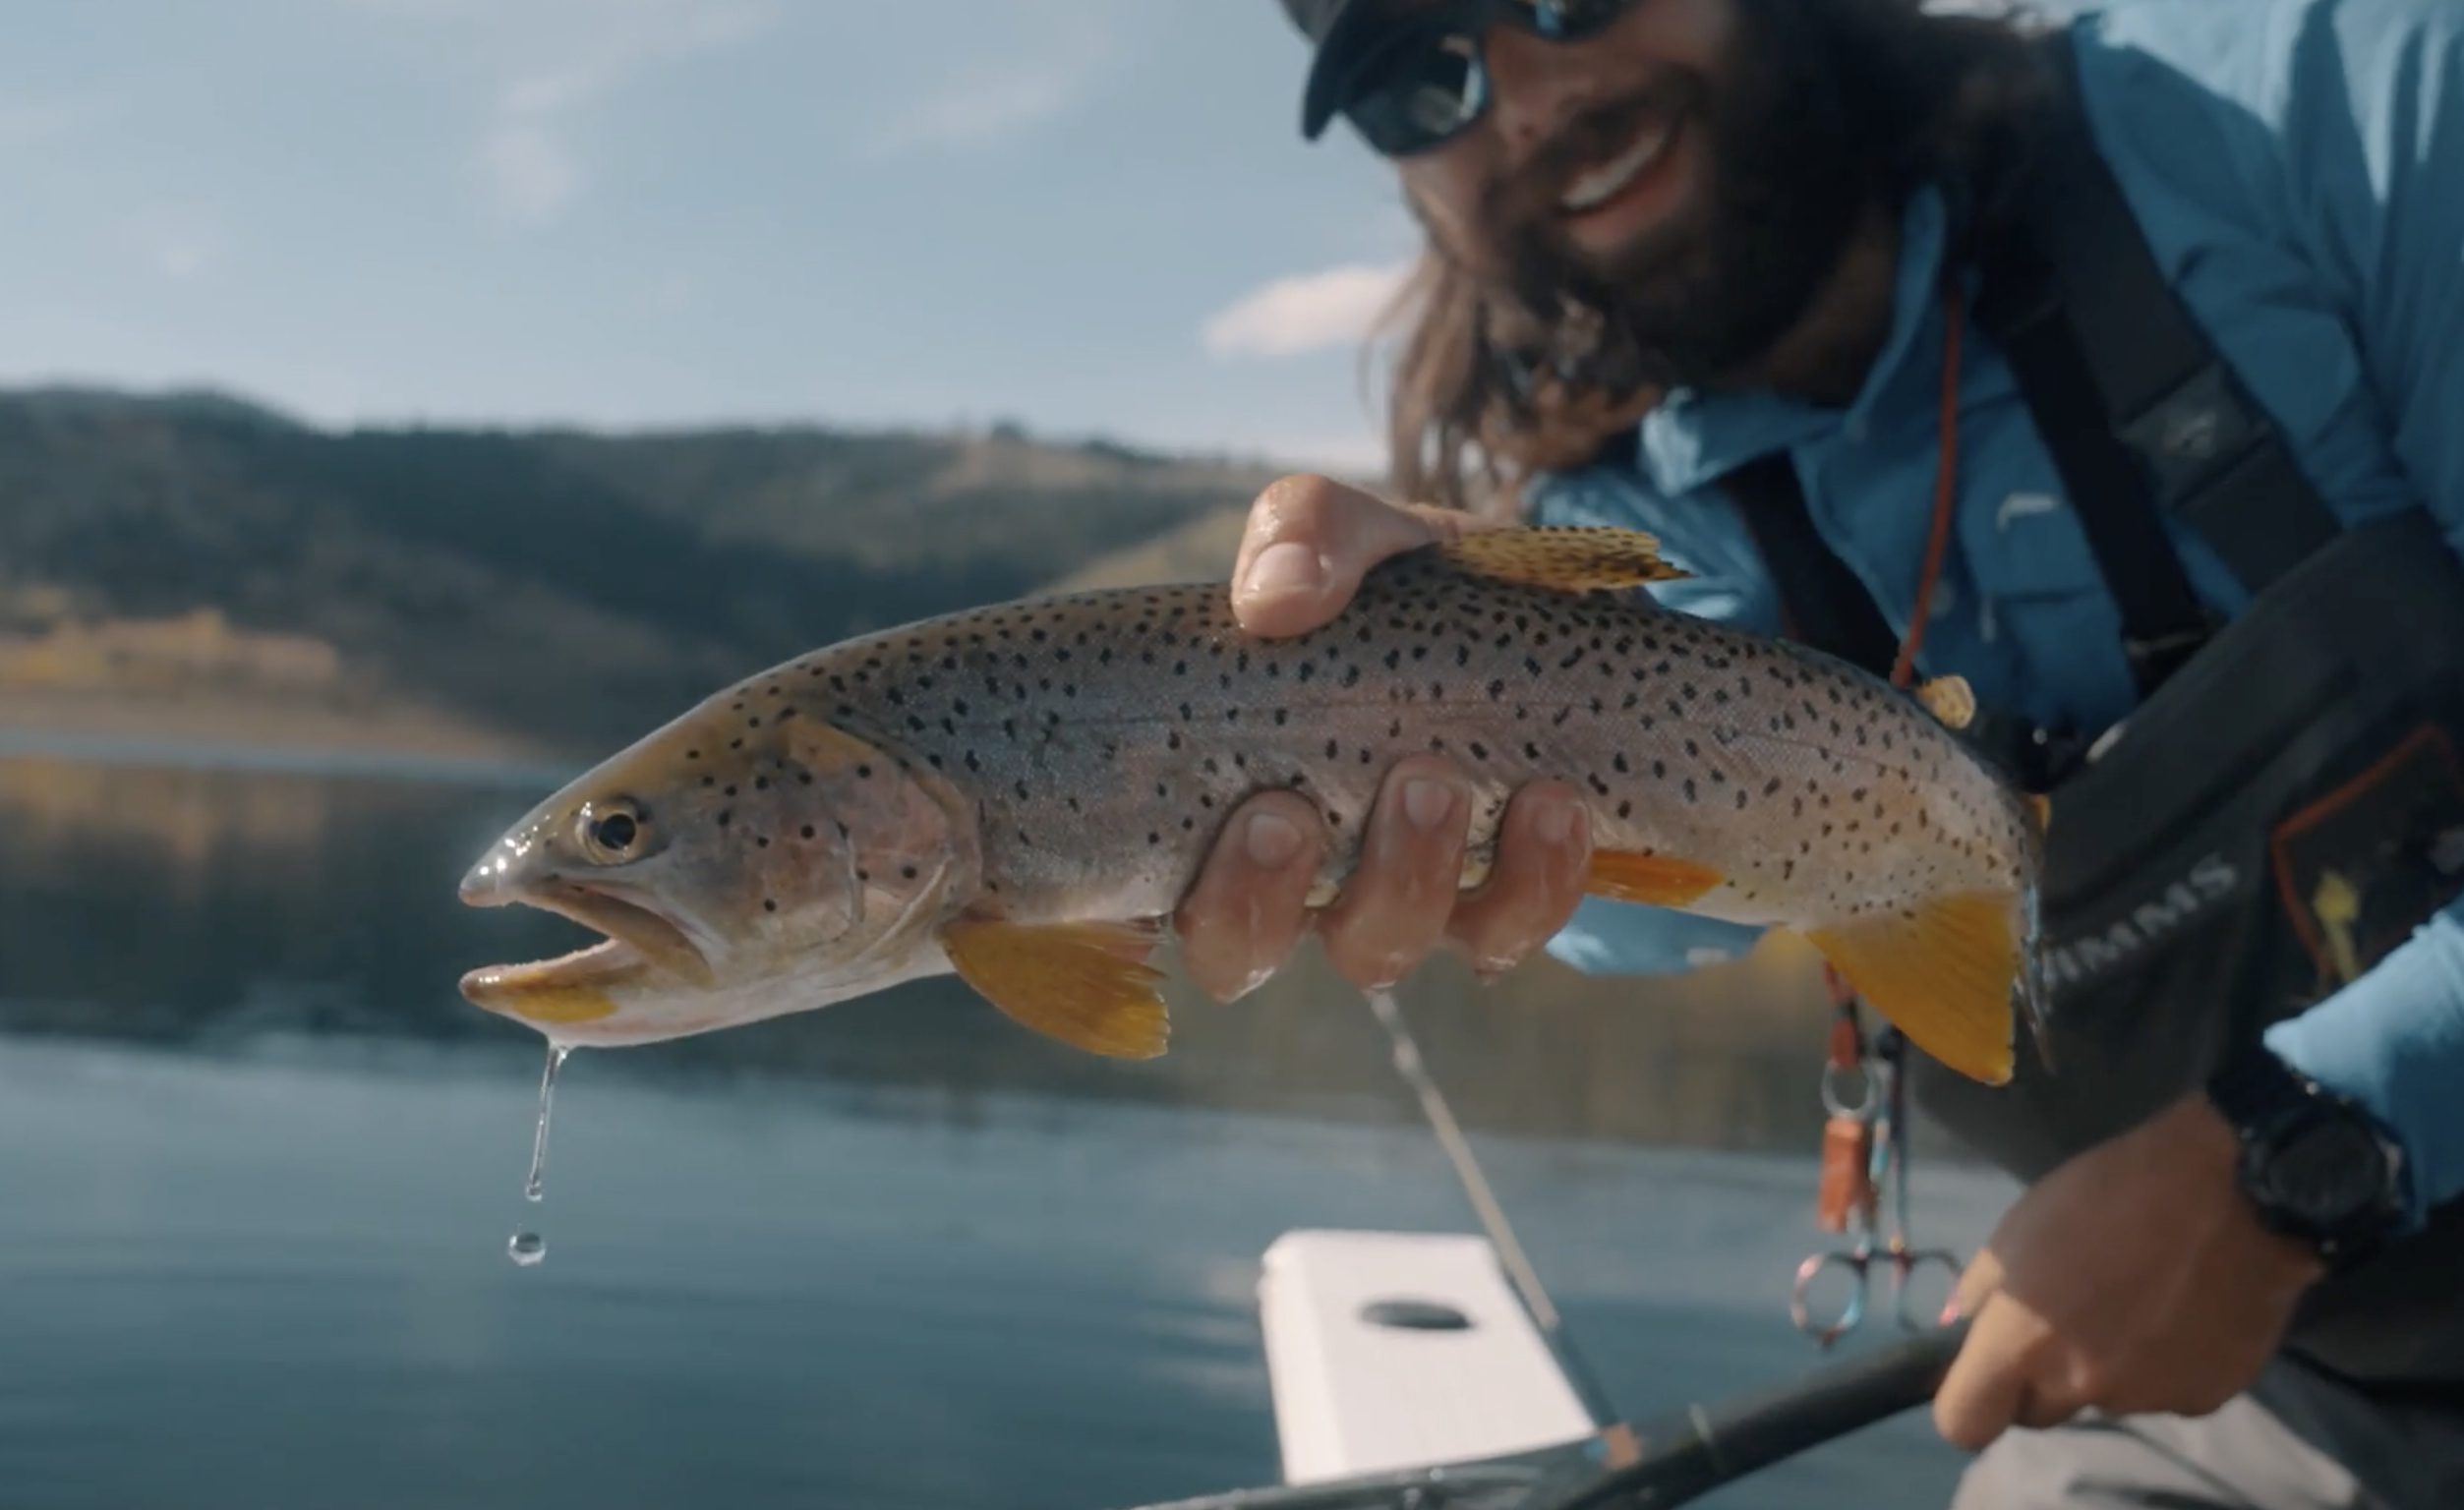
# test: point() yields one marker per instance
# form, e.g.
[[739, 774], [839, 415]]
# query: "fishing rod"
[[1492, 1216], [1685, 1454]]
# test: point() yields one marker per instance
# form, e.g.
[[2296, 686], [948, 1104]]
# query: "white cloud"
[[26, 123], [184, 254], [1308, 312], [532, 172], [557, 60], [1363, 455], [528, 154], [989, 100]]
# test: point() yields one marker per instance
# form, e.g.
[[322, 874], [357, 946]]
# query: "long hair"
[[1471, 417]]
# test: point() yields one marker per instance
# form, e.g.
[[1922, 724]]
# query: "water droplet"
[[528, 1248], [535, 1188]]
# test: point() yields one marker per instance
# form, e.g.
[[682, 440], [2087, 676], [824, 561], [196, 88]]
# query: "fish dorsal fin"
[[1950, 699], [1088, 985], [1571, 558]]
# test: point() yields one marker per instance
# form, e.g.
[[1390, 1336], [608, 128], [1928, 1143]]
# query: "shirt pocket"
[[2047, 607]]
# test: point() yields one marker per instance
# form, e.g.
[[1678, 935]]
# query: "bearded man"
[[2116, 366]]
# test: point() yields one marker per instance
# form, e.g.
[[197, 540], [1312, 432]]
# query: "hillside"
[[553, 589]]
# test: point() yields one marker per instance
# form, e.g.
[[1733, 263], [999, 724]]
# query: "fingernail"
[[1287, 567], [1427, 801], [1555, 825], [1271, 841]]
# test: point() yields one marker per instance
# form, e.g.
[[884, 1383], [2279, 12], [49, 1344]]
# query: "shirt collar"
[[1693, 438]]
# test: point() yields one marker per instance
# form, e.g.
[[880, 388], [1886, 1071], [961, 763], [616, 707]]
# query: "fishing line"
[[1533, 1295]]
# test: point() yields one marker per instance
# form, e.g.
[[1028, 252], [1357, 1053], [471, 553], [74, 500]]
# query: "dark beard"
[[1790, 169]]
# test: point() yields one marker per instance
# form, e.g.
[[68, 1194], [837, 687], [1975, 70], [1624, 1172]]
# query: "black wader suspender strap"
[[2142, 417], [1821, 601]]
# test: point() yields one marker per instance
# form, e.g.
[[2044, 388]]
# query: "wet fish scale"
[[1104, 737]]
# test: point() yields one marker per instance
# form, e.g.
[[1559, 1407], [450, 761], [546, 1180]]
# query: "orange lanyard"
[[1946, 493]]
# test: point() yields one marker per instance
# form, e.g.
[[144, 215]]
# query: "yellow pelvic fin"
[[1086, 984], [1950, 699], [2040, 808], [1569, 558], [1943, 975], [1655, 880]]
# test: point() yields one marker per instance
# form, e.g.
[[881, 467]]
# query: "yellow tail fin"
[[1943, 974]]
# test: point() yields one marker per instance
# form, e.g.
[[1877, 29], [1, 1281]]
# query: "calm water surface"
[[257, 1164]]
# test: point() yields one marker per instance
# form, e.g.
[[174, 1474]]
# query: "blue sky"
[[1094, 217]]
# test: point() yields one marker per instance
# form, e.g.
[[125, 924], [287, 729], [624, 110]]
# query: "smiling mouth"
[[1597, 186], [574, 988]]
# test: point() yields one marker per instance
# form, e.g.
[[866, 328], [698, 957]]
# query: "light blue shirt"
[[2298, 170]]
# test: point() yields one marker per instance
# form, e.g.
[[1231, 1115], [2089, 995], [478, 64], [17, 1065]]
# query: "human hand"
[[1308, 544], [2135, 1278]]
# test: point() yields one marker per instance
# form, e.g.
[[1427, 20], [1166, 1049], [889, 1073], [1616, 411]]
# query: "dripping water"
[[527, 1247]]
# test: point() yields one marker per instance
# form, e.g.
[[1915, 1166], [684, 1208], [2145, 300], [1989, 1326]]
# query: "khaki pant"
[[2296, 1440]]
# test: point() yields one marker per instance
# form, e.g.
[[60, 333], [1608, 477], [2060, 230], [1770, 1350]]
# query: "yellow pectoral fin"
[[1654, 880], [1943, 974], [1088, 985], [1570, 560]]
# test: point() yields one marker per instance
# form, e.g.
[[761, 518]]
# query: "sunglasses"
[[1426, 81]]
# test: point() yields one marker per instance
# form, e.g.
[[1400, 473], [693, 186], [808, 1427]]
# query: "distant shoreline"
[[238, 733]]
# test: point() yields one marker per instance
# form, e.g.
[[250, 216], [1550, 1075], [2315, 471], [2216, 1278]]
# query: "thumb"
[[1977, 1283], [1309, 540]]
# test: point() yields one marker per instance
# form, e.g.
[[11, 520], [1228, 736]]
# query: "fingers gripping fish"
[[1021, 793]]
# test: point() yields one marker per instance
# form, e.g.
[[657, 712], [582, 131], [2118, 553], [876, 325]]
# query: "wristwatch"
[[2315, 1164]]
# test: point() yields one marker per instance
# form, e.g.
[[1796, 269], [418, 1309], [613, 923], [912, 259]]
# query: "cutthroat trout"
[[1021, 794]]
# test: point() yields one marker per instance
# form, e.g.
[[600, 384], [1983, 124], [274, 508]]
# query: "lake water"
[[259, 1162]]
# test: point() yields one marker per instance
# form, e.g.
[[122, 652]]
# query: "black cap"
[[1341, 31]]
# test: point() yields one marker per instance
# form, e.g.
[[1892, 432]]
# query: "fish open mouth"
[[575, 987]]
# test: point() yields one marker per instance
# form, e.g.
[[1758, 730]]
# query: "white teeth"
[[1606, 182]]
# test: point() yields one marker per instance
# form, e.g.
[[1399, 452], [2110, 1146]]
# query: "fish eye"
[[610, 832]]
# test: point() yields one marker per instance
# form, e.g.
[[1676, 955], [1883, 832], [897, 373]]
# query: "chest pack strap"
[[2142, 419]]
